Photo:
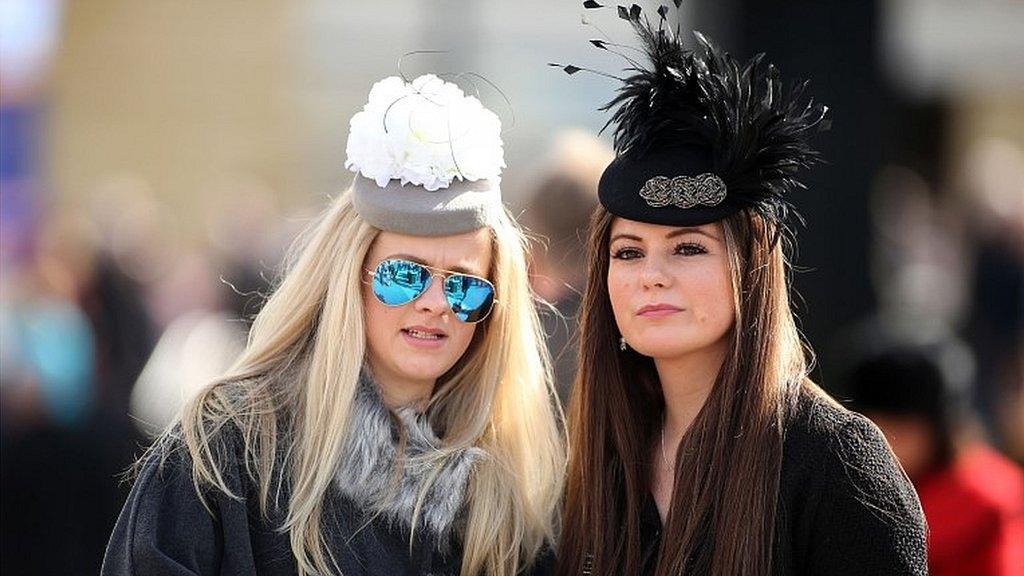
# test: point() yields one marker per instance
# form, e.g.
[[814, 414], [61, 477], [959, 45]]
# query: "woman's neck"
[[686, 382], [397, 391]]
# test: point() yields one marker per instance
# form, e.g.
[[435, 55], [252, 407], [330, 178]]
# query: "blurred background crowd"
[[157, 157]]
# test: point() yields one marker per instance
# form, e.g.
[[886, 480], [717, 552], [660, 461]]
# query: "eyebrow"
[[673, 234], [411, 258]]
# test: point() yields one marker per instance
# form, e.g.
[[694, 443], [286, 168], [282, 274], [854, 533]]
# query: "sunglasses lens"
[[398, 282], [471, 298]]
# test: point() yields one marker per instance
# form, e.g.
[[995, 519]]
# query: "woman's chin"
[[663, 349], [422, 370]]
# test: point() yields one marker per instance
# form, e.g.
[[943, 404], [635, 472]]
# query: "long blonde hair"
[[289, 395]]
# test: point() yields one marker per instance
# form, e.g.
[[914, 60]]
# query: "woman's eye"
[[690, 249], [626, 254]]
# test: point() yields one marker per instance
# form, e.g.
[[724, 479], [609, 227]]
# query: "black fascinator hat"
[[699, 136]]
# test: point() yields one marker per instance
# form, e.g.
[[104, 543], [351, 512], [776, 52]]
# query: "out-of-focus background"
[[157, 157]]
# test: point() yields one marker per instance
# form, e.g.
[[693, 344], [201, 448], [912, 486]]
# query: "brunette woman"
[[698, 444]]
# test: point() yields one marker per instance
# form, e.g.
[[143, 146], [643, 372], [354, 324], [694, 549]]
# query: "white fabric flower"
[[427, 133]]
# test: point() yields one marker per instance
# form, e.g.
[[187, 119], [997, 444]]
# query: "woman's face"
[[421, 340], [670, 287]]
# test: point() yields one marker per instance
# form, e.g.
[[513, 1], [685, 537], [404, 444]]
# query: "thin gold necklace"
[[664, 458]]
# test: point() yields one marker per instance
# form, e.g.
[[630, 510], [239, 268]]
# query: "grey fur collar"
[[368, 474]]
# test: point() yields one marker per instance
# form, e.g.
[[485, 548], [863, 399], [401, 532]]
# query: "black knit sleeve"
[[868, 519]]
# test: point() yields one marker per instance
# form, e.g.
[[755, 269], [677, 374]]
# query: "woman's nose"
[[433, 300], [654, 274]]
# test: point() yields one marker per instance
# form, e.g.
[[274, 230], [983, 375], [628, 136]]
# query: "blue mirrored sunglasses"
[[397, 282]]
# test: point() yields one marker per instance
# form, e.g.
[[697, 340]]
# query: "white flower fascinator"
[[426, 132], [427, 158]]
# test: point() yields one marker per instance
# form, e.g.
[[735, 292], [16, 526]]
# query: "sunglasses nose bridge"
[[433, 298]]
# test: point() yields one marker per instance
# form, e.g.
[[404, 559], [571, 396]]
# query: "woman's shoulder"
[[168, 521], [853, 500], [168, 463], [841, 449], [817, 425]]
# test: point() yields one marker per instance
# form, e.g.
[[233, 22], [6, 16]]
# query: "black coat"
[[845, 506], [164, 530]]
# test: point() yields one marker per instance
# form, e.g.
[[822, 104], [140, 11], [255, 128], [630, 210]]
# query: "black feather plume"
[[756, 128]]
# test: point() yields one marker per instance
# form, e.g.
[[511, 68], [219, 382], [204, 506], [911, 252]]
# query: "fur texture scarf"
[[379, 476]]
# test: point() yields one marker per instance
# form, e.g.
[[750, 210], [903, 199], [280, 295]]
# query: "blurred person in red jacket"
[[973, 496]]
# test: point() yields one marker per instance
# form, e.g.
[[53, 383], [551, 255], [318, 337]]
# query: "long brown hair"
[[722, 512]]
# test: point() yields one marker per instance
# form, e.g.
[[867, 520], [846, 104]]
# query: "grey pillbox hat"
[[413, 210]]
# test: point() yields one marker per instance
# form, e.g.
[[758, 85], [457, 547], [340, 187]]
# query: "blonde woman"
[[393, 411]]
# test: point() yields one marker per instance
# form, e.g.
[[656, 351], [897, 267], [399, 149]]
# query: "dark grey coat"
[[164, 530]]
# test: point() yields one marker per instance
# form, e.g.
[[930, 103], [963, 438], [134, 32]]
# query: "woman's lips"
[[421, 337], [657, 310]]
